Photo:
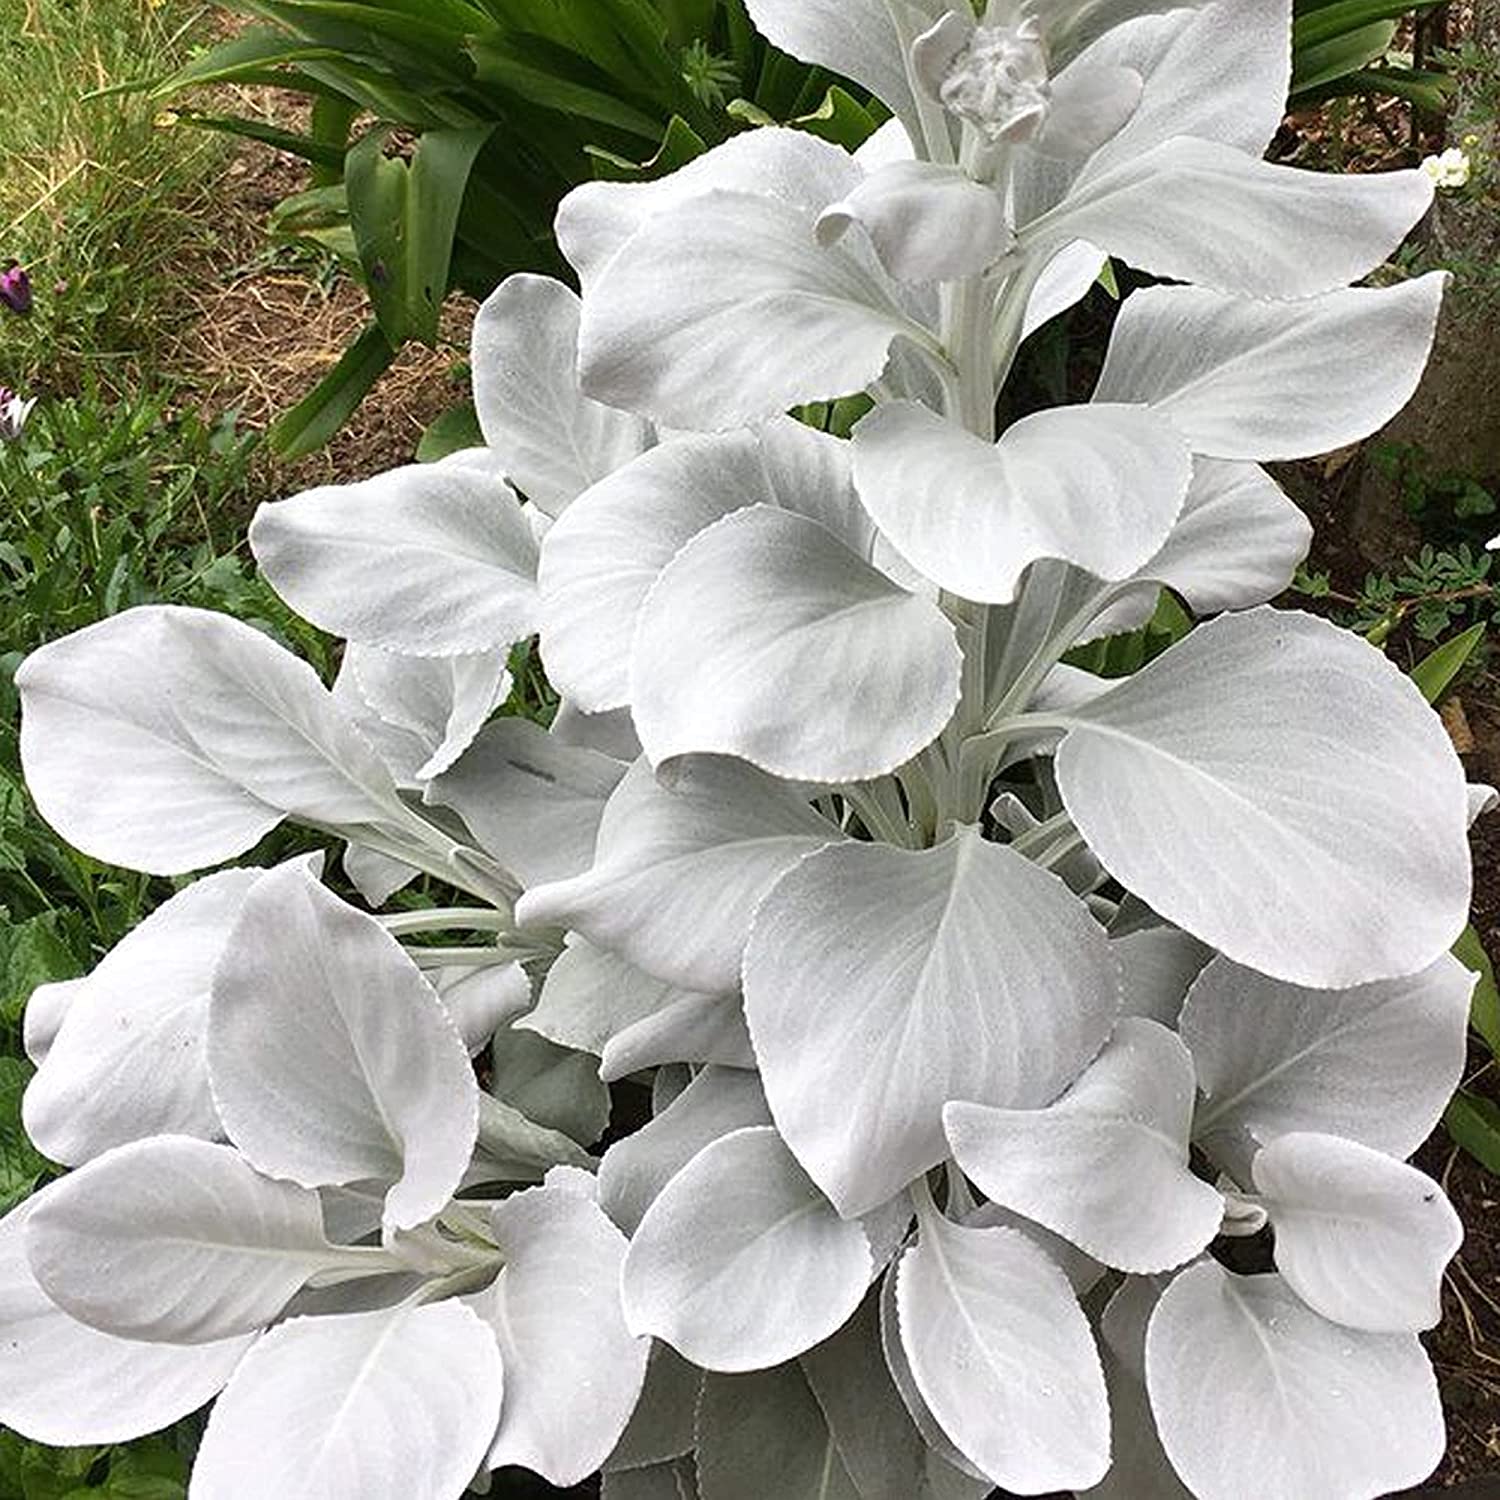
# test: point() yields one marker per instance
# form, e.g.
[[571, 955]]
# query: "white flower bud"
[[998, 83]]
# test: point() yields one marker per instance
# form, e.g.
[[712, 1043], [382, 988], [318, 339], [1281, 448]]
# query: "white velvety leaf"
[[332, 1059], [896, 1362], [858, 38], [612, 734], [1089, 106], [678, 869], [880, 983], [1482, 799], [1273, 380], [757, 316], [927, 222], [65, 1384], [553, 1085], [397, 1404], [741, 1263], [1295, 233], [1256, 1397], [1099, 486], [634, 1170], [590, 996], [1106, 1166], [752, 1425], [551, 440], [179, 1241], [376, 876], [596, 219], [46, 1009], [601, 559], [481, 1000], [128, 1059], [693, 1029], [1069, 277], [881, 1449], [1157, 968], [1003, 1356], [1219, 71], [1256, 825], [1237, 542], [1083, 1271], [429, 708], [1376, 1064], [1360, 1237], [573, 1371], [166, 739], [767, 639], [427, 560], [532, 803]]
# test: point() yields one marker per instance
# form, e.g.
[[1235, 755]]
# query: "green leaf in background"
[[1435, 672], [404, 215], [1321, 23], [1474, 1124], [335, 398], [456, 429], [680, 144], [841, 119], [20, 1163], [31, 953], [1325, 61], [1485, 1007]]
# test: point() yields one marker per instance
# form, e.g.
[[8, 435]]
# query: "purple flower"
[[15, 288]]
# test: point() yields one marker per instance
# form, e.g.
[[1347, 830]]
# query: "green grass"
[[102, 205]]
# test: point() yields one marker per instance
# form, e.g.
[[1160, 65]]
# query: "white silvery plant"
[[1033, 1058]]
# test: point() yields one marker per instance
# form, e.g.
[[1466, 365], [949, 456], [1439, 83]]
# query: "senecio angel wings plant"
[[1033, 1058]]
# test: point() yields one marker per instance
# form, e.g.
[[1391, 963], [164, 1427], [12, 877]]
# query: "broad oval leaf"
[[167, 739], [601, 559], [1163, 211], [573, 1370], [1255, 826], [1237, 542], [128, 1060], [741, 1263], [880, 983], [1106, 1166], [178, 1241], [636, 1169], [756, 318], [679, 867], [426, 560], [421, 712], [862, 39], [927, 222], [65, 1384], [1360, 1237], [332, 1060], [767, 639], [397, 1404], [532, 803], [551, 440], [1375, 1064], [1003, 1356], [1256, 1397], [1098, 486], [1245, 379]]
